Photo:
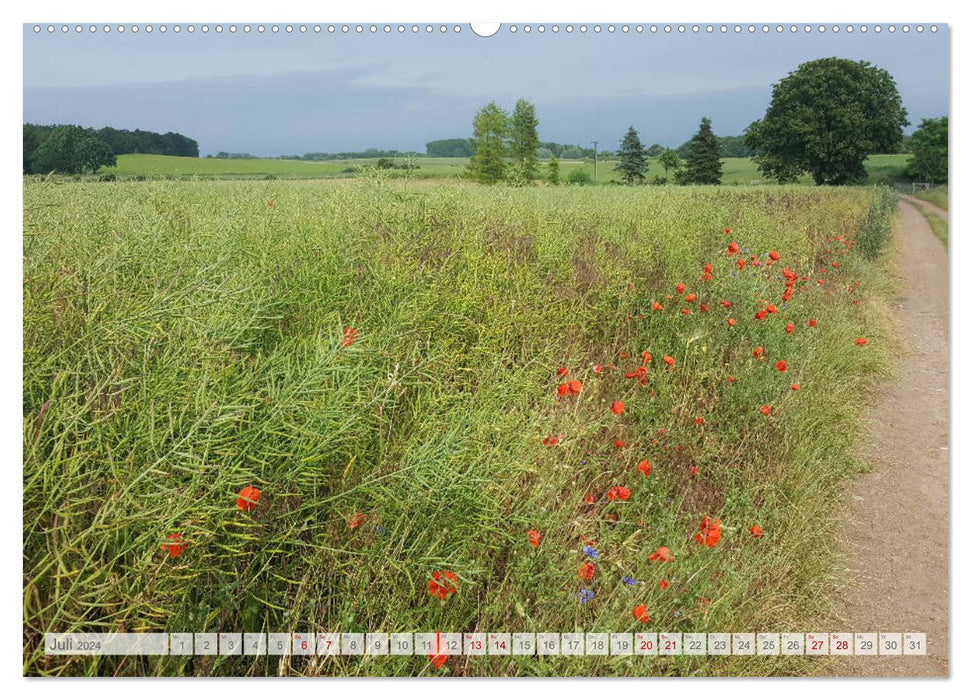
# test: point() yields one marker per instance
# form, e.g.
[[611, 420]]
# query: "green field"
[[735, 171], [184, 340]]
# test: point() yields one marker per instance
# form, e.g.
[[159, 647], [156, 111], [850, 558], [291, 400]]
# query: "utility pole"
[[594, 159]]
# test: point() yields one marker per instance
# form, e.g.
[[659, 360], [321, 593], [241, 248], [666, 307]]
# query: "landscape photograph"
[[450, 350]]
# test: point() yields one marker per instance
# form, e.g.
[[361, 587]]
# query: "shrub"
[[877, 223], [579, 177]]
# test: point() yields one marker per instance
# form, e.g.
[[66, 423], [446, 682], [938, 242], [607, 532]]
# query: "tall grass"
[[183, 340]]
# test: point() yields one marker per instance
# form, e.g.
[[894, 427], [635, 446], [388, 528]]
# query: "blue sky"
[[272, 94]]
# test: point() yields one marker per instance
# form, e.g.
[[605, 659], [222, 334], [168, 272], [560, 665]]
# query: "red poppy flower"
[[534, 537], [617, 407], [740, 264], [668, 360], [758, 353], [562, 371], [618, 493], [574, 386], [586, 571], [732, 248], [771, 308], [589, 499], [619, 444], [656, 307], [664, 585], [781, 365], [623, 355], [774, 255], [765, 409], [436, 660], [693, 471], [755, 531], [794, 387], [175, 545], [597, 369], [442, 584], [355, 520], [703, 308], [562, 390], [640, 613], [709, 531], [730, 380], [759, 315], [644, 467], [662, 554], [790, 327], [690, 297], [679, 288], [812, 323], [835, 264], [551, 440], [349, 336], [247, 499], [860, 341], [699, 420], [685, 312], [727, 230], [726, 304]]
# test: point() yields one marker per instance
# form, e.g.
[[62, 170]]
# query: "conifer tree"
[[524, 141], [703, 164], [631, 158]]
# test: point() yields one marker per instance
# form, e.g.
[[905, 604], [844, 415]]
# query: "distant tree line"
[[66, 148], [728, 147], [463, 148], [344, 155]]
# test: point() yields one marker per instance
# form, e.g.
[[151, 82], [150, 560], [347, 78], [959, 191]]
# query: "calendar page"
[[445, 349]]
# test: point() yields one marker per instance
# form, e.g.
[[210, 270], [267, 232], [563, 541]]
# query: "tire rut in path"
[[893, 538]]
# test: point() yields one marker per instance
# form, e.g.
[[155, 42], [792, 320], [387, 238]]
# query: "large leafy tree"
[[71, 149], [703, 165], [929, 145], [825, 118], [91, 153], [669, 160], [631, 158], [489, 131], [524, 140]]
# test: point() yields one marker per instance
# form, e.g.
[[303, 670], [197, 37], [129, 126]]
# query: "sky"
[[275, 94]]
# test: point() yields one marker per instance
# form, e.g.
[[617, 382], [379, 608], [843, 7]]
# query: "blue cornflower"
[[630, 581], [586, 595], [590, 552]]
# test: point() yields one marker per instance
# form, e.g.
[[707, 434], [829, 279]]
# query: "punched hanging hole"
[[485, 29]]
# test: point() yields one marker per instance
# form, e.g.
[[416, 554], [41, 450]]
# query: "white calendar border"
[[514, 10]]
